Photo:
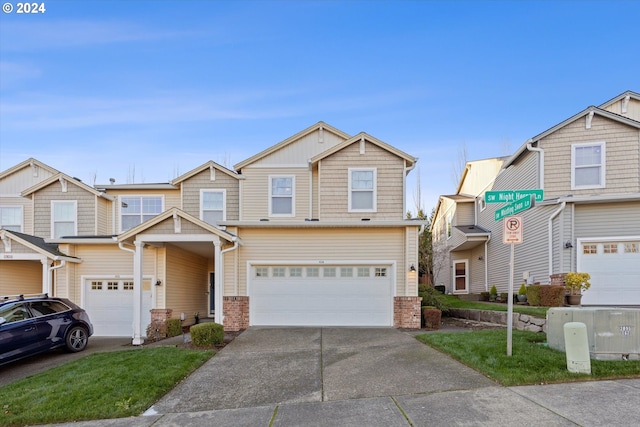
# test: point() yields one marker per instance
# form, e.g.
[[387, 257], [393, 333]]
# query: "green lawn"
[[99, 386], [454, 302], [531, 362]]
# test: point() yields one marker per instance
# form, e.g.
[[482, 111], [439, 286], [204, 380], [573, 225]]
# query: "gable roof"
[[629, 93], [205, 166], [37, 244], [62, 176], [595, 110], [290, 140], [27, 163], [364, 136], [178, 213]]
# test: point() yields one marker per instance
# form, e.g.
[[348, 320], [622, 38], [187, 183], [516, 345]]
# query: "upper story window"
[[482, 202], [281, 195], [588, 165], [134, 210], [64, 218], [362, 190], [213, 206], [11, 218]]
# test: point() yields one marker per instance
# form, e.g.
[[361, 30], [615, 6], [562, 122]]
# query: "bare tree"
[[459, 166]]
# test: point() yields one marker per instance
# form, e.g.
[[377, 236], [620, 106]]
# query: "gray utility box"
[[613, 333]]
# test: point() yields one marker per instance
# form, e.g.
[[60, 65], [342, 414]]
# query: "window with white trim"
[[364, 272], [134, 210], [127, 286], [482, 202], [262, 271], [213, 206], [11, 218], [278, 271], [281, 195], [329, 272], [363, 190], [295, 271], [64, 218], [631, 248], [590, 249], [381, 272], [346, 272], [313, 272], [610, 248], [112, 286], [588, 165]]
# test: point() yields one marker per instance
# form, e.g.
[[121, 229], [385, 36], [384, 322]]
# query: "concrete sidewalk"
[[368, 377]]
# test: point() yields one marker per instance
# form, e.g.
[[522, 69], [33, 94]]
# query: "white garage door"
[[109, 303], [614, 266], [325, 295]]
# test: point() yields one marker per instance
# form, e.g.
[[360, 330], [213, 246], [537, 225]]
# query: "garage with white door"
[[614, 267], [109, 303], [320, 295]]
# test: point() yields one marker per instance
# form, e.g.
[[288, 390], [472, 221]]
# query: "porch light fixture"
[[158, 283], [412, 269]]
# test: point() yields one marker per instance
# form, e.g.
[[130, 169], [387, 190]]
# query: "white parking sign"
[[512, 230]]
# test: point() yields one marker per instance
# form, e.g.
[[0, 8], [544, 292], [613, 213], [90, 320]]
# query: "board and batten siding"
[[20, 277], [187, 283], [300, 151], [633, 109], [255, 193], [85, 214], [622, 151], [607, 220], [18, 181], [334, 183], [313, 245], [202, 181]]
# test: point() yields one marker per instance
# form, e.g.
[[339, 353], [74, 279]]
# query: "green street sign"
[[507, 196], [511, 209]]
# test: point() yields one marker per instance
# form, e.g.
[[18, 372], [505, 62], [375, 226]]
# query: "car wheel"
[[77, 339]]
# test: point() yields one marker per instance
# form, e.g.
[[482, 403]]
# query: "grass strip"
[[532, 361], [454, 302], [99, 386]]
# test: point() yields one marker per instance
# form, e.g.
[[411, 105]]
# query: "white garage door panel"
[[615, 277], [332, 301]]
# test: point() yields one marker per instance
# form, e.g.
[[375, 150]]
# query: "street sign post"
[[507, 196], [512, 233], [513, 208]]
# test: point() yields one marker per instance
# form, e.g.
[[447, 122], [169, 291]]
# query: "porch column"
[[217, 282], [46, 277], [137, 293]]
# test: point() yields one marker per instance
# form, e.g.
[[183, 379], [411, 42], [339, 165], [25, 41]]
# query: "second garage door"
[[328, 295]]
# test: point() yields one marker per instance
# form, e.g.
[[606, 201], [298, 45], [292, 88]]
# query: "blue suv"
[[33, 325]]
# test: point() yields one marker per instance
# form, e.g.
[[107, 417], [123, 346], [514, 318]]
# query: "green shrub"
[[533, 294], [207, 334], [431, 297], [174, 327], [552, 296], [522, 290], [493, 291], [484, 296]]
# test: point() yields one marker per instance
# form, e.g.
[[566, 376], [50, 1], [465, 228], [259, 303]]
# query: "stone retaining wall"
[[522, 322]]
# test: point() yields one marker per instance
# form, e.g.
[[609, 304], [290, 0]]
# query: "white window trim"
[[603, 164], [293, 196], [375, 189], [75, 219], [21, 208], [224, 201], [120, 197], [482, 202]]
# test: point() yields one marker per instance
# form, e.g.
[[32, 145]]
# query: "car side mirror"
[[2, 321]]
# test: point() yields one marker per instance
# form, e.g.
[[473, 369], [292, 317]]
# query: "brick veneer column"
[[406, 312], [160, 314], [558, 279], [236, 313]]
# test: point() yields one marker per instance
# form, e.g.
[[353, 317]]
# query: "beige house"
[[588, 167], [309, 232]]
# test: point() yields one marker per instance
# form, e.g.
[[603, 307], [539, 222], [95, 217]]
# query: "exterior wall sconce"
[[568, 245], [158, 283], [412, 269]]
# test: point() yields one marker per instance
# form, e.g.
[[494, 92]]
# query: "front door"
[[212, 294], [460, 276]]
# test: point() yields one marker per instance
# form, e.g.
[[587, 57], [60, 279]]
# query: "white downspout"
[[541, 162], [218, 309], [550, 249], [49, 279], [486, 264]]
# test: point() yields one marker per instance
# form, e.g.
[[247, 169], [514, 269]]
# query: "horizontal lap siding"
[[622, 157], [255, 193], [186, 285], [20, 277], [334, 179], [322, 245], [86, 213], [607, 220], [202, 181]]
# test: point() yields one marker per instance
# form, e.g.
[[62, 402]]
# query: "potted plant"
[[522, 293], [493, 293], [576, 283]]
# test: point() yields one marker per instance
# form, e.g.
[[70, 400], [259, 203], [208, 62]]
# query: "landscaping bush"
[[533, 294], [431, 317], [207, 334], [552, 296], [504, 296], [484, 296], [174, 327], [431, 297]]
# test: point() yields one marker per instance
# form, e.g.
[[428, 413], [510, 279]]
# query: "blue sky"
[[151, 89]]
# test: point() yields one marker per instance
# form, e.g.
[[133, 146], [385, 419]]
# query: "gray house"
[[589, 169]]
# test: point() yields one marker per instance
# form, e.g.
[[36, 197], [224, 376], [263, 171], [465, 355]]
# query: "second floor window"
[[588, 165], [64, 216], [281, 195], [212, 206], [362, 190], [11, 218], [134, 210]]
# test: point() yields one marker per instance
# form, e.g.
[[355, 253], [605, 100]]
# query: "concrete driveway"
[[270, 366]]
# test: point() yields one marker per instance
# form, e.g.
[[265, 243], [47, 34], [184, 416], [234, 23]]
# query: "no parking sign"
[[512, 230]]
